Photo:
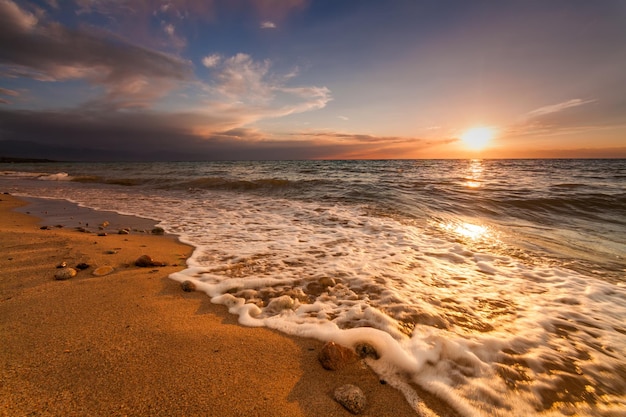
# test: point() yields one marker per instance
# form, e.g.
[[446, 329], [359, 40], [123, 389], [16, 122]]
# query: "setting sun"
[[477, 138]]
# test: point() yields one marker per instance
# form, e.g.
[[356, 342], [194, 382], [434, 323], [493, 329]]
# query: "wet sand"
[[132, 343]]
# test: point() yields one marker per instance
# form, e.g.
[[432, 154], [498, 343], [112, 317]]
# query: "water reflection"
[[467, 230], [474, 174]]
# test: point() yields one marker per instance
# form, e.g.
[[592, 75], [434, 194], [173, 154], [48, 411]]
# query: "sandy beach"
[[133, 343]]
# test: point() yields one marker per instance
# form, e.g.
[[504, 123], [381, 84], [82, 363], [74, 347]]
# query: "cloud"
[[343, 118], [169, 28], [211, 61], [569, 117], [131, 80], [247, 90], [131, 75], [15, 20], [145, 136], [555, 108], [268, 25], [7, 92]]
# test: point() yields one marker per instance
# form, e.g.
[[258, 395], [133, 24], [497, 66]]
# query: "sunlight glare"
[[467, 230], [477, 138]]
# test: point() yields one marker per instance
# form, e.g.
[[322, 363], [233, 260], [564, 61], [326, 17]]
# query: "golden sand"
[[133, 343]]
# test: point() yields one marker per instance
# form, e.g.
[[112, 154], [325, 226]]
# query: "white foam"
[[59, 176]]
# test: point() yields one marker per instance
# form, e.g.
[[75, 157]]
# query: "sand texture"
[[132, 343]]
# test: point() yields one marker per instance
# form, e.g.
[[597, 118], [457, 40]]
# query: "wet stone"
[[158, 231], [351, 398], [65, 273], [82, 266], [365, 350], [334, 356], [103, 270], [188, 286], [145, 261]]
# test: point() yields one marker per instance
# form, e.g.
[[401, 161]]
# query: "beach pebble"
[[111, 252], [123, 232], [102, 234], [351, 397], [145, 261], [62, 265], [334, 356], [65, 273], [188, 286], [82, 266], [158, 231], [103, 270], [104, 224], [365, 350]]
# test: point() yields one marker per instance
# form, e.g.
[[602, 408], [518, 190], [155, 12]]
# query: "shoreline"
[[133, 343]]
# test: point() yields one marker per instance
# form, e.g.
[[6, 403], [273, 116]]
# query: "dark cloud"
[[147, 136], [131, 75]]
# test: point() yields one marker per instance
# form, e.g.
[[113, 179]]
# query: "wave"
[[59, 176], [128, 182]]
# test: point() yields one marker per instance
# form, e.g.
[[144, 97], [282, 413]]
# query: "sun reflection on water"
[[467, 230], [474, 174]]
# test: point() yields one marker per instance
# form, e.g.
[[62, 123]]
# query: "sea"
[[498, 286]]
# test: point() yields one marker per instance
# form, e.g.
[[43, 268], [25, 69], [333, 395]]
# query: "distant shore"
[[133, 343]]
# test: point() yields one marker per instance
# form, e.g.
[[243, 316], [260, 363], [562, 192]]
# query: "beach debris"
[[333, 356], [145, 261], [81, 229], [82, 266], [188, 286], [103, 225], [125, 231], [45, 228], [111, 252], [102, 234], [365, 350], [65, 273], [103, 270], [62, 265], [351, 398], [158, 231]]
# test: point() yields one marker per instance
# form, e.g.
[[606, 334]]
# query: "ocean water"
[[497, 285]]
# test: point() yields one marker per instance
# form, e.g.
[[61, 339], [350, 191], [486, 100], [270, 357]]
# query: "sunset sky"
[[312, 79]]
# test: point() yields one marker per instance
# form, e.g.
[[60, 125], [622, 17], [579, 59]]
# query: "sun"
[[477, 138]]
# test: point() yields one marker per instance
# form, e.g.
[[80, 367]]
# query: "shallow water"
[[497, 285]]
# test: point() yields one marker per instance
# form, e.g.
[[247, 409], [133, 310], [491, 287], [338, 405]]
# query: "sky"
[[312, 79]]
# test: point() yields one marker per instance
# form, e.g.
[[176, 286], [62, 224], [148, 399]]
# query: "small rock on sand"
[[65, 273], [145, 261], [188, 286], [351, 397], [103, 270], [334, 356]]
